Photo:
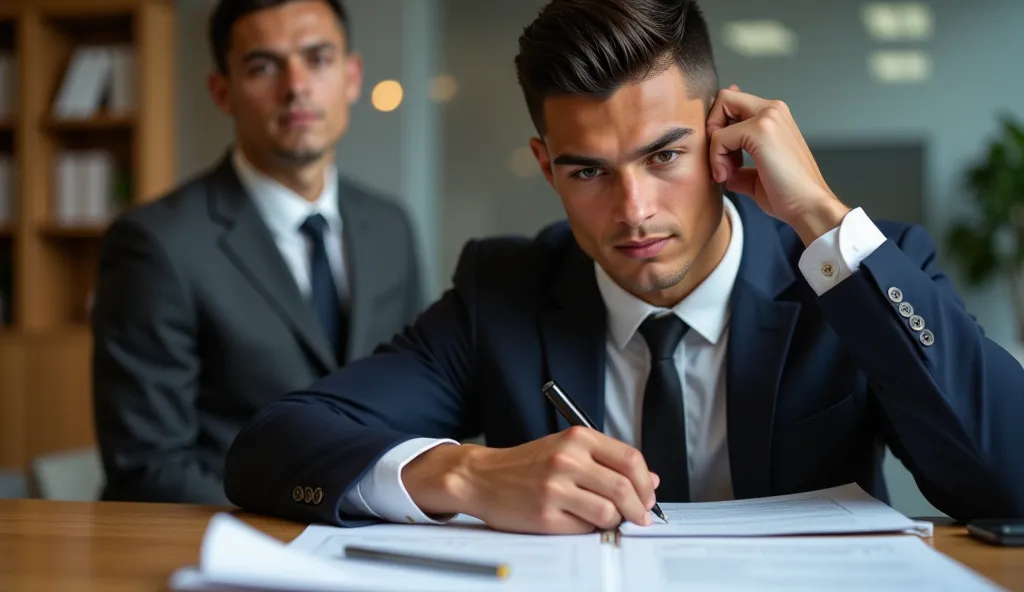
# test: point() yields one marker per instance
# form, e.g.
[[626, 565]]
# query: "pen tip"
[[657, 512], [503, 572]]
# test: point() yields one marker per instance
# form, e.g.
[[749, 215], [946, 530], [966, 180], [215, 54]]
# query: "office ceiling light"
[[899, 21], [759, 38], [900, 67]]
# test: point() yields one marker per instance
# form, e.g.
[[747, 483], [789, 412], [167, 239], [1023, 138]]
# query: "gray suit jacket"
[[198, 323]]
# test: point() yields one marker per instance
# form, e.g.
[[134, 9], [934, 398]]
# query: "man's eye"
[[587, 173], [321, 59], [260, 68], [665, 157]]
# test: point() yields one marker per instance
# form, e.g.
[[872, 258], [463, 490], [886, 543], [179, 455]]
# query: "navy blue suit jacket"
[[816, 387]]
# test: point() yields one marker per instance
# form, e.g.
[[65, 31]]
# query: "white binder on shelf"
[[86, 83], [84, 188]]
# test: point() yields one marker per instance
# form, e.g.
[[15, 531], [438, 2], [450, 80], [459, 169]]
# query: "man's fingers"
[[628, 462], [559, 521], [744, 181], [726, 150], [731, 106], [618, 490], [593, 509]]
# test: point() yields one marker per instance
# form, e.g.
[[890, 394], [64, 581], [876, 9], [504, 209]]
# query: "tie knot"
[[314, 226], [663, 335]]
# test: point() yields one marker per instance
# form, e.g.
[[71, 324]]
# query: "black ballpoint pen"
[[575, 416]]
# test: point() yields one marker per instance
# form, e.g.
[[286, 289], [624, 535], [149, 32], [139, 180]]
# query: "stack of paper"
[[720, 545], [838, 510], [235, 555]]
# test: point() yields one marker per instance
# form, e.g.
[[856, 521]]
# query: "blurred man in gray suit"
[[254, 278]]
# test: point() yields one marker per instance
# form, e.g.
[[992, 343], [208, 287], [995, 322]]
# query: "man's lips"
[[299, 118], [643, 249]]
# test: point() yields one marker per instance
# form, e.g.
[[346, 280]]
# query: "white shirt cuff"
[[838, 253], [381, 492]]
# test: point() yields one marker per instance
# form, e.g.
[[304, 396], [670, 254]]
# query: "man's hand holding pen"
[[572, 482]]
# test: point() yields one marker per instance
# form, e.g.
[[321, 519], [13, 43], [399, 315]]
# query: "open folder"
[[236, 556]]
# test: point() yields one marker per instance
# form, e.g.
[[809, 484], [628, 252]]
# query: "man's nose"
[[635, 204]]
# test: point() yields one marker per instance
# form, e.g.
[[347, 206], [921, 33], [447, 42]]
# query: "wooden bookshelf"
[[74, 231], [98, 123], [45, 352]]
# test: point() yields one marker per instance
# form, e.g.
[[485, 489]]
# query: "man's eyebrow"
[[672, 135], [268, 54]]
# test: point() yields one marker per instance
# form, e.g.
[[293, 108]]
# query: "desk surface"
[[128, 546]]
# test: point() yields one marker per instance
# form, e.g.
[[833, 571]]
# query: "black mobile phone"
[[1008, 532]]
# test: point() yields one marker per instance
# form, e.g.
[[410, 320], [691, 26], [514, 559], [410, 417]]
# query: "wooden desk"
[[57, 546]]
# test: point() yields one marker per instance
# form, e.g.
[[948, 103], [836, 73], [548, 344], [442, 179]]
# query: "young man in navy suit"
[[725, 347]]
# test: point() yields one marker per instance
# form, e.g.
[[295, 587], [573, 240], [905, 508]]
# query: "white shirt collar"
[[283, 210], [705, 310]]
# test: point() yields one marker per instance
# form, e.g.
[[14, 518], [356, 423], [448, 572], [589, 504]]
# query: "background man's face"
[[290, 84]]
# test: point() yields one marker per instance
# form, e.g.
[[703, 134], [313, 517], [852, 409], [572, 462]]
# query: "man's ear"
[[217, 85], [540, 152], [353, 77]]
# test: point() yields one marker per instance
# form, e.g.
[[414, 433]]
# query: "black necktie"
[[663, 431], [323, 290]]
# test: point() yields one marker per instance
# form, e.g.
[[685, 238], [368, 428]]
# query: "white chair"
[[68, 475]]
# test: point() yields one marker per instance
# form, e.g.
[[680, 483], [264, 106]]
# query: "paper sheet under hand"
[[870, 564], [839, 510]]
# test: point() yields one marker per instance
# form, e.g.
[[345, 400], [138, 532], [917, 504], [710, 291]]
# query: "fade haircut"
[[593, 47], [229, 12]]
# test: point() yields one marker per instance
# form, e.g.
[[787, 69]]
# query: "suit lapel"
[[572, 334], [249, 245], [359, 262], [761, 328]]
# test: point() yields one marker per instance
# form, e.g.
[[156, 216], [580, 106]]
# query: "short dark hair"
[[229, 12], [592, 47]]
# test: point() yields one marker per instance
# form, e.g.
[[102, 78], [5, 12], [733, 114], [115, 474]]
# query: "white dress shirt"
[[700, 361], [284, 211]]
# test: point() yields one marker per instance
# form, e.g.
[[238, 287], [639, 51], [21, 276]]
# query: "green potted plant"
[[991, 244]]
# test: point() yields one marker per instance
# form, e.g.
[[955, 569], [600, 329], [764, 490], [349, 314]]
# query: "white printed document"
[[839, 510], [872, 564]]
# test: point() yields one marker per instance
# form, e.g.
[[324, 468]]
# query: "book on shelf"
[[97, 76], [84, 188], [8, 84], [7, 190]]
